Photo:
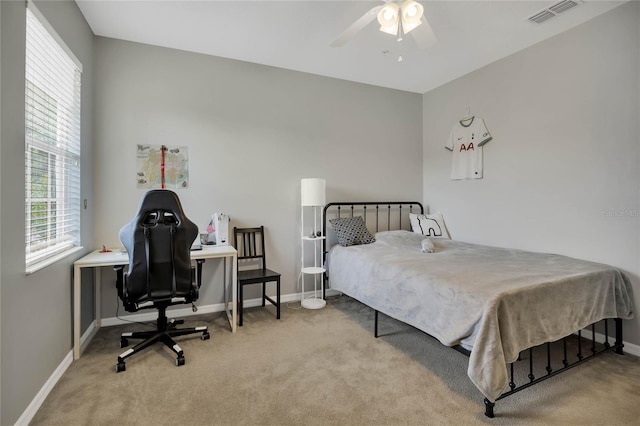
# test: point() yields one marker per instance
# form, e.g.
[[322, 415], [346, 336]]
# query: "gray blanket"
[[494, 301]]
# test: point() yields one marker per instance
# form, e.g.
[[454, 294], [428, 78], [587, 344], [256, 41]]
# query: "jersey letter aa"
[[467, 148]]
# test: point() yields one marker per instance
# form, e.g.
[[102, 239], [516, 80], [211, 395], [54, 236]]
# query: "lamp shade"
[[312, 192]]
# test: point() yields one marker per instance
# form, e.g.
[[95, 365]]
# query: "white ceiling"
[[296, 34]]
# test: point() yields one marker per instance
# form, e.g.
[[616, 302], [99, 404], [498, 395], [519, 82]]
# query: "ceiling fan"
[[396, 19]]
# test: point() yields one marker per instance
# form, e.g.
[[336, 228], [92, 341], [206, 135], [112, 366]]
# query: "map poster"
[[162, 166]]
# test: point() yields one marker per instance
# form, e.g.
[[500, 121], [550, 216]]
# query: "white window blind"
[[52, 145]]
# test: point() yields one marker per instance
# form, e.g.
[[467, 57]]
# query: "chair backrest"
[[158, 240], [249, 242]]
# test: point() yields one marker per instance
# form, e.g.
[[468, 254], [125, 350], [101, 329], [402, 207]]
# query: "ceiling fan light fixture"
[[389, 19], [396, 17], [412, 13]]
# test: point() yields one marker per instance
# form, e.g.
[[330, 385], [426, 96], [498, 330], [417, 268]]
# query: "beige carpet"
[[321, 367]]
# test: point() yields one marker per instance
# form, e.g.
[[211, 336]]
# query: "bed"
[[490, 303]]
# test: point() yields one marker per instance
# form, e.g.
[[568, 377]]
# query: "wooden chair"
[[249, 242]]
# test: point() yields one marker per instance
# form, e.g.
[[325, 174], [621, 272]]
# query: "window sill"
[[51, 260]]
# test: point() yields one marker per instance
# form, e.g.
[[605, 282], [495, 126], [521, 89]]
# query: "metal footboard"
[[593, 349], [522, 372]]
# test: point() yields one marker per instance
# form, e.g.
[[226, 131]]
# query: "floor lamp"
[[312, 194]]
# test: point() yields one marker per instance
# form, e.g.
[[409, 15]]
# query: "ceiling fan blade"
[[357, 26], [423, 35]]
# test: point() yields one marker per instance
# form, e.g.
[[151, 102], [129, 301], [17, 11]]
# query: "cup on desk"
[[204, 239]]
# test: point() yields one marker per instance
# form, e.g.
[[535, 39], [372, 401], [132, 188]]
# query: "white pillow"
[[430, 225]]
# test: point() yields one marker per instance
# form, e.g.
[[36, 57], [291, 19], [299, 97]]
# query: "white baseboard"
[[35, 404], [153, 315], [88, 335], [629, 348], [632, 349], [186, 312]]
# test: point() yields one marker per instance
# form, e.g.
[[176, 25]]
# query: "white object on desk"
[[221, 221], [96, 259]]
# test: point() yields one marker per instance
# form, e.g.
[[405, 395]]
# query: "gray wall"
[[0, 212], [35, 314], [562, 172], [252, 133]]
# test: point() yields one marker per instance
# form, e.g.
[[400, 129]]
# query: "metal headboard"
[[376, 214]]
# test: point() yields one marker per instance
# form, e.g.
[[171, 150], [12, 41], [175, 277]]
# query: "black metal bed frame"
[[596, 348]]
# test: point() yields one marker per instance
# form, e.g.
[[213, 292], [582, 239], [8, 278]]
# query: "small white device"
[[221, 225]]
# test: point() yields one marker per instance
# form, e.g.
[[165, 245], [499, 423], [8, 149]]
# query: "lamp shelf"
[[313, 270]]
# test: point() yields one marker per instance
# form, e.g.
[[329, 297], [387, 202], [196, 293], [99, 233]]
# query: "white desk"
[[96, 260]]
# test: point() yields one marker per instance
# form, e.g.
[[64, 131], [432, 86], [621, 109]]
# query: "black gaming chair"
[[158, 241]]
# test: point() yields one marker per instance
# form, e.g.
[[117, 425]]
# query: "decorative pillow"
[[351, 231], [431, 225]]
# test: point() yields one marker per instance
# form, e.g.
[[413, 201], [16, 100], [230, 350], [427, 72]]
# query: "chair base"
[[164, 334]]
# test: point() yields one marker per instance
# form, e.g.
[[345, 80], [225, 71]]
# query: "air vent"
[[551, 11], [562, 6], [540, 17]]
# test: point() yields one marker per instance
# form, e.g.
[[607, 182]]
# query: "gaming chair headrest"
[[158, 206]]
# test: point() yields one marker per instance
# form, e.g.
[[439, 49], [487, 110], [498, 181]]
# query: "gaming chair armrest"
[[199, 263], [119, 280]]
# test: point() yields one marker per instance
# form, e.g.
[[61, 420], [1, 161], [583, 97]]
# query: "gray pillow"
[[351, 231]]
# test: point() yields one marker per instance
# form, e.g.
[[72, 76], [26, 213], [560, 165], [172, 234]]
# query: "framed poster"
[[162, 166]]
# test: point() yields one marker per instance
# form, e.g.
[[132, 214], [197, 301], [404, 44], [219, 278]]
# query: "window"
[[52, 145]]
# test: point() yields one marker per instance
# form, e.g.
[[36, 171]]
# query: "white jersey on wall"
[[466, 140]]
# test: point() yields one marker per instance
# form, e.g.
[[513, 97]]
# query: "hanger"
[[468, 117]]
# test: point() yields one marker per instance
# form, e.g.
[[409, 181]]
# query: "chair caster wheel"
[[124, 342], [179, 361], [206, 336], [121, 366]]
